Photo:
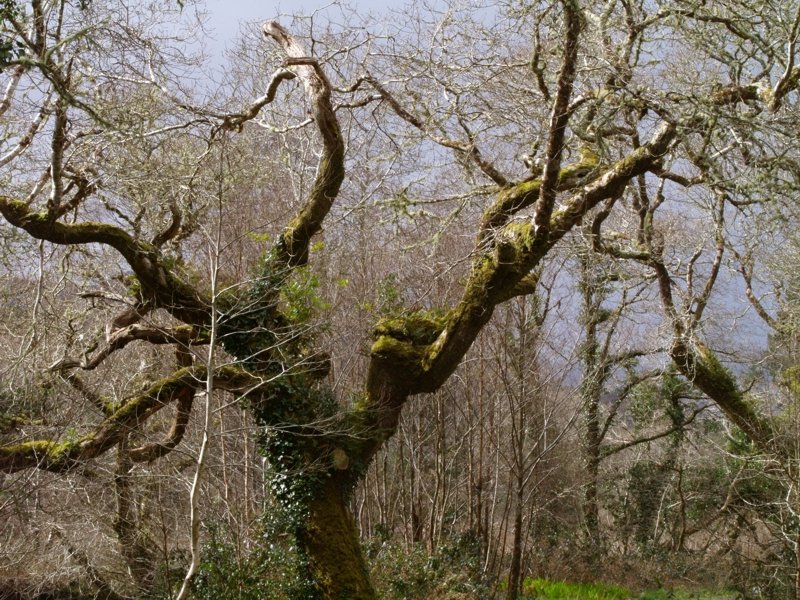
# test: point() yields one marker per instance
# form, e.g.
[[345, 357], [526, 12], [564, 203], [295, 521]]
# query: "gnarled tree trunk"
[[330, 541]]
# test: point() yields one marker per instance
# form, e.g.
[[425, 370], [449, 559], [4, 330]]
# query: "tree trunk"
[[329, 540], [515, 571], [133, 542], [591, 508]]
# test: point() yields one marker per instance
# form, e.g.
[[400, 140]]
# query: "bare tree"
[[617, 135]]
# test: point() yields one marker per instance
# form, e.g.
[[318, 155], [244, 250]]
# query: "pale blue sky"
[[225, 15]]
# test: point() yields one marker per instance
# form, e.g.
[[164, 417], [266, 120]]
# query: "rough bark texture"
[[331, 542]]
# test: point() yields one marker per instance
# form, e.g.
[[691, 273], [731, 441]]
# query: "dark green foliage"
[[291, 439], [300, 297], [267, 327], [292, 408], [410, 574], [653, 398], [647, 482], [11, 48], [274, 569]]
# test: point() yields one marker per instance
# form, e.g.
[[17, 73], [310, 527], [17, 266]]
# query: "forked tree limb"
[[159, 283], [155, 450], [60, 456], [467, 148], [183, 335]]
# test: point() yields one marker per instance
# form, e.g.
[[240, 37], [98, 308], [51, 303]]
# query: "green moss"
[[38, 447], [400, 352], [723, 383], [139, 405], [722, 378], [59, 450], [48, 452], [332, 539], [514, 243], [525, 193], [706, 372], [522, 235], [419, 327], [403, 341], [524, 188], [40, 225], [360, 403]]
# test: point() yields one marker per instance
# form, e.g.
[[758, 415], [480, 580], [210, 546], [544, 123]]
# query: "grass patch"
[[541, 589], [684, 595]]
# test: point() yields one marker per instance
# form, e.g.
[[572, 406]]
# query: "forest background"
[[425, 307]]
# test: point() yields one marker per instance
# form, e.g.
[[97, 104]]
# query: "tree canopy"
[[326, 232]]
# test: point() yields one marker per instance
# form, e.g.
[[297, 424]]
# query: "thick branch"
[[292, 249], [503, 263], [158, 282], [58, 144], [613, 181], [172, 229], [559, 117], [62, 456], [700, 366]]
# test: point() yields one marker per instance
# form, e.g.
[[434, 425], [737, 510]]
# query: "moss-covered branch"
[[699, 364], [517, 249], [292, 249], [522, 195], [63, 455], [158, 283], [416, 352]]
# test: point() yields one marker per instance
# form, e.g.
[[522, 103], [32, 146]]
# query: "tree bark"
[[134, 545], [330, 542], [515, 570]]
